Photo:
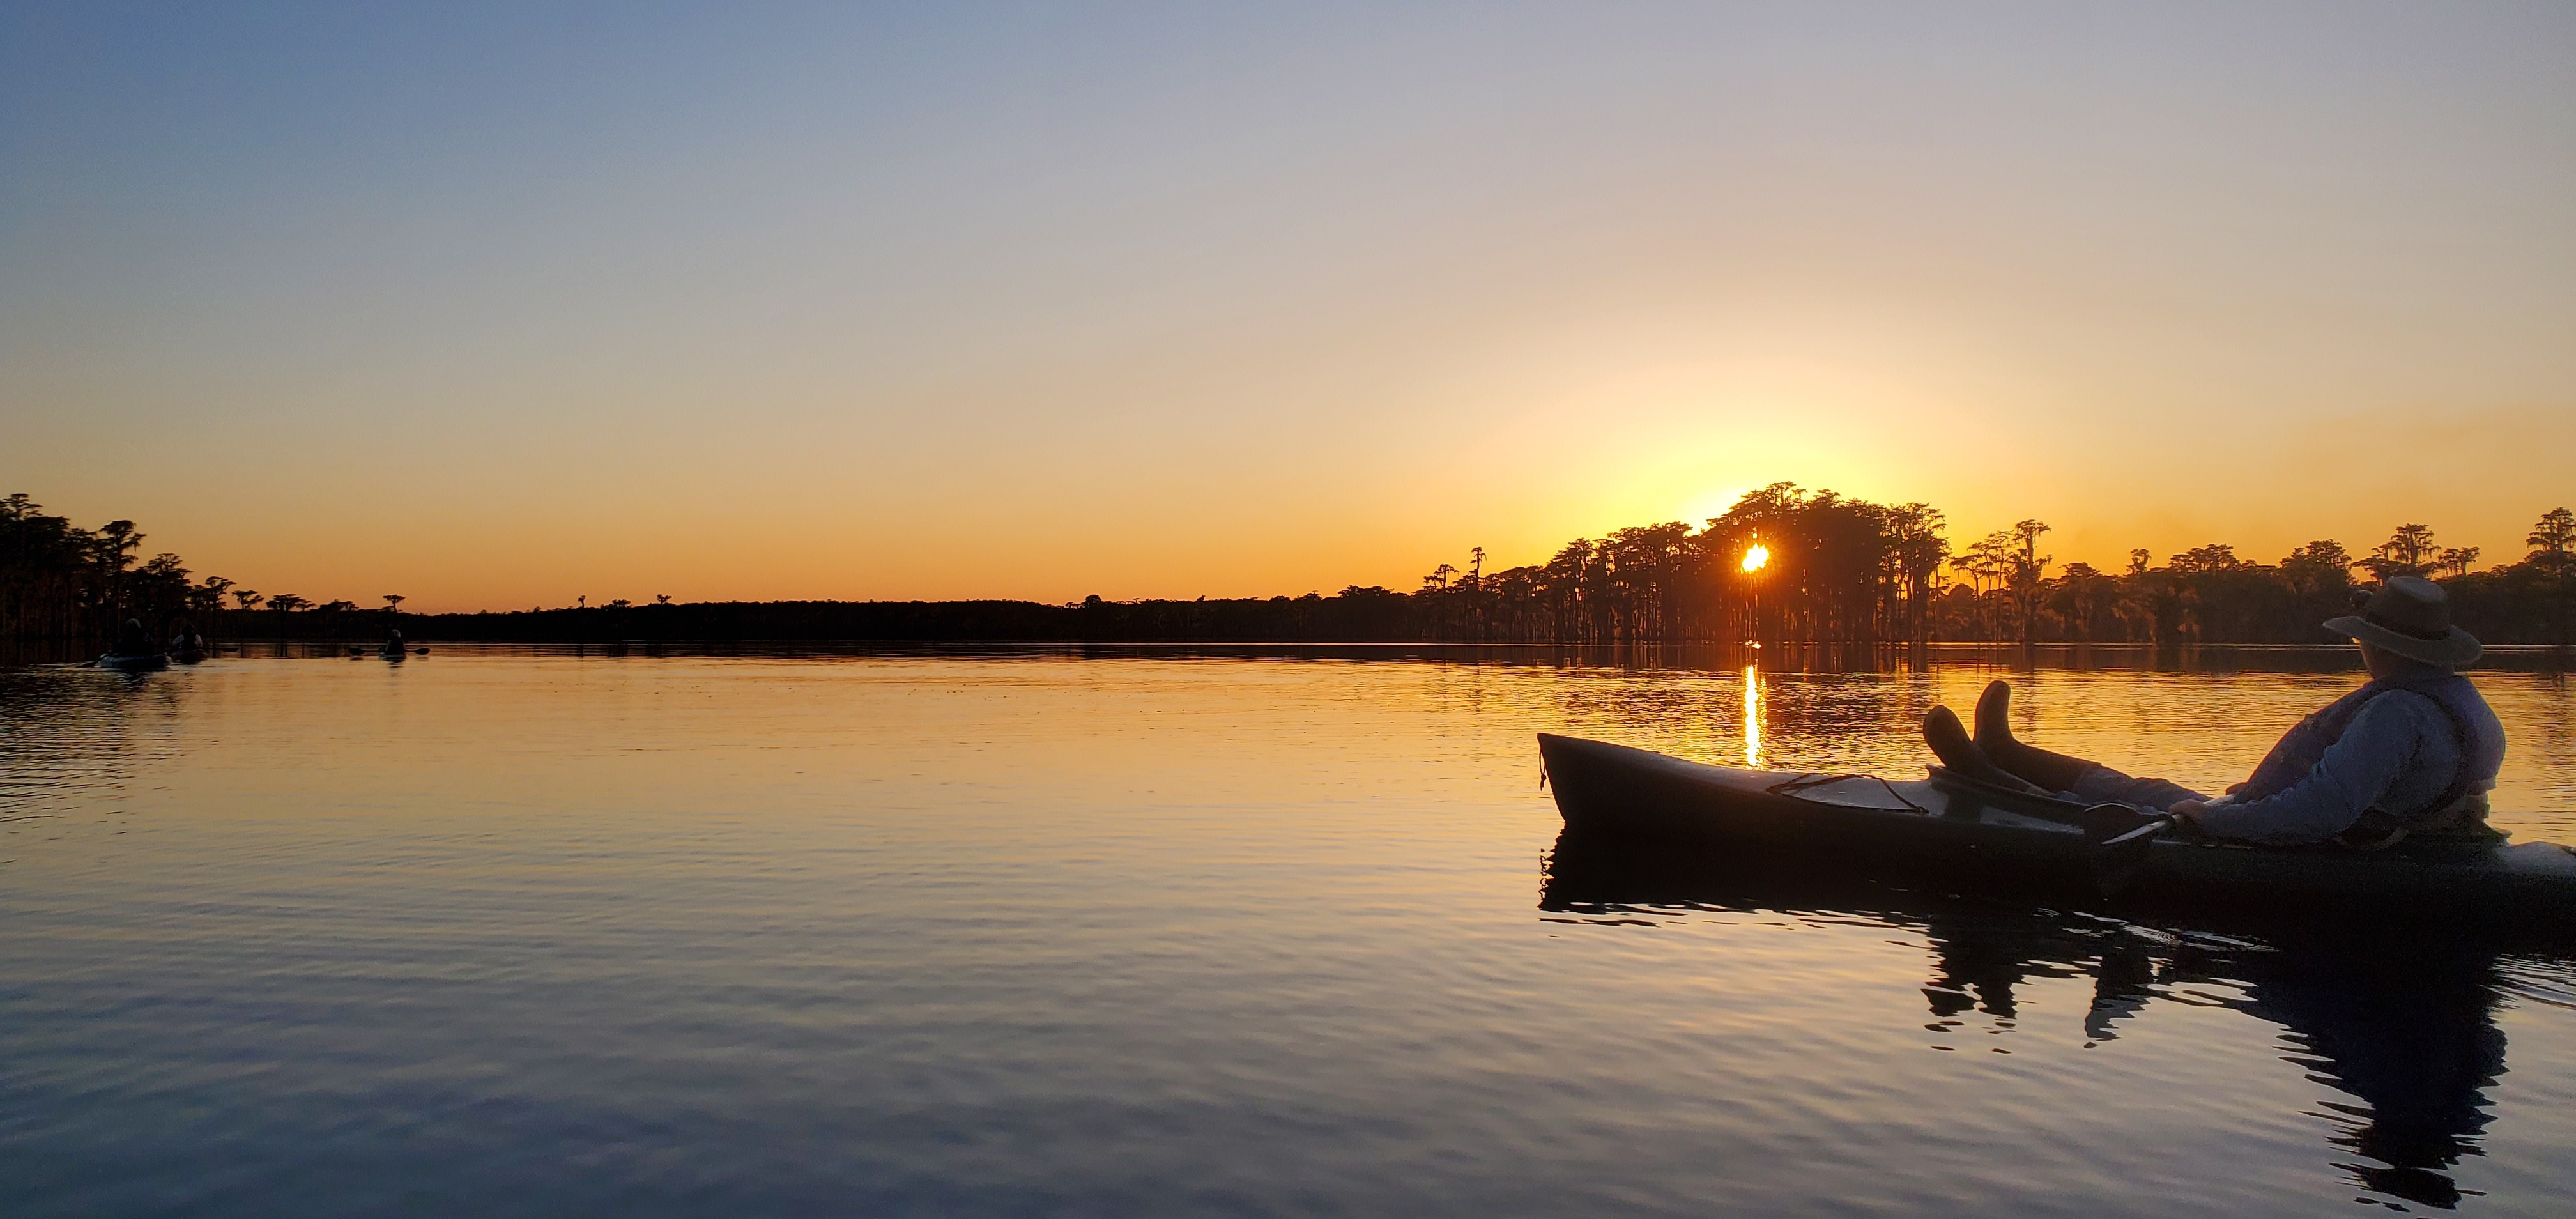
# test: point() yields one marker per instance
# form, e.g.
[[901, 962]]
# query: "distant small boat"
[[134, 664], [187, 656]]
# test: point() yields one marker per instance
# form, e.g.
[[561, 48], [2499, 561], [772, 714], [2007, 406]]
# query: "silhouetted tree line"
[[1782, 564], [1786, 564], [2208, 594], [1358, 615], [65, 589]]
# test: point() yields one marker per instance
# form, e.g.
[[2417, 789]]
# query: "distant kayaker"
[[2415, 749], [131, 640], [187, 640]]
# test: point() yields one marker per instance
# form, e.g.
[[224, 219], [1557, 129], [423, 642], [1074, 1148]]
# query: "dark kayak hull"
[[1956, 830], [134, 664]]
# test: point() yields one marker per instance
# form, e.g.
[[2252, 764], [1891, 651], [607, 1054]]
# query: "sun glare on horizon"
[[1755, 556]]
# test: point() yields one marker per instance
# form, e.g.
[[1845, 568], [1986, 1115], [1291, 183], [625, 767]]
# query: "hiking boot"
[[1950, 742], [2055, 771]]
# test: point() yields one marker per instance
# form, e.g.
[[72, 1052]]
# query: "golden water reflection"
[[1753, 716], [1136, 907]]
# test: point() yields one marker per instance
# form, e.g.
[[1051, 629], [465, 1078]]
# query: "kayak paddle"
[[2117, 838]]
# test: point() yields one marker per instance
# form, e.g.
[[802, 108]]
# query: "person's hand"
[[2188, 810]]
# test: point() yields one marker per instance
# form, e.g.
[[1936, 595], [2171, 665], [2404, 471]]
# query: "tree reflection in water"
[[2405, 1028]]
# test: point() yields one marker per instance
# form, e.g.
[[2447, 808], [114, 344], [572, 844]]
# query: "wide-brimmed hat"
[[2411, 617]]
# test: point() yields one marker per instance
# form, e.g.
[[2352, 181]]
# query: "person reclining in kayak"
[[2415, 749]]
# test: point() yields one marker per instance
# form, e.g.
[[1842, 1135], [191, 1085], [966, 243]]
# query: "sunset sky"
[[497, 305]]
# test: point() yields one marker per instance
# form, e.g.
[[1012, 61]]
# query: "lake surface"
[[1159, 932]]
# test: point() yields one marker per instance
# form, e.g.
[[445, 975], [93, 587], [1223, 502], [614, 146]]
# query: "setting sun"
[[1755, 556]]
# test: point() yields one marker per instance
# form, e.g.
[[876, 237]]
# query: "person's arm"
[[2355, 772]]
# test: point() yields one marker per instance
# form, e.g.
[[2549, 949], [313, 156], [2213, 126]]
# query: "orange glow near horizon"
[[1755, 556]]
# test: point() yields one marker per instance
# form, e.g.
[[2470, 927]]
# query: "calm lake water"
[[511, 933]]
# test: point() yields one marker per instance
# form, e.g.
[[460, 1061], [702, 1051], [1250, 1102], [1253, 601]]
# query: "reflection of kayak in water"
[[2402, 1024], [134, 664], [1949, 826]]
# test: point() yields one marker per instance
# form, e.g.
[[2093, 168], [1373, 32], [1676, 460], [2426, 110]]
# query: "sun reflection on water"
[[1753, 717]]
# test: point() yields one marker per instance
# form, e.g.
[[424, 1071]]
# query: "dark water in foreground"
[[516, 934]]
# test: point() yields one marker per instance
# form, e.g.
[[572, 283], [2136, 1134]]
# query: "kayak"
[[1957, 829], [134, 664], [187, 656]]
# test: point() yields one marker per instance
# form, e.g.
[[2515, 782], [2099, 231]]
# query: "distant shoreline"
[[1782, 564], [1387, 620]]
